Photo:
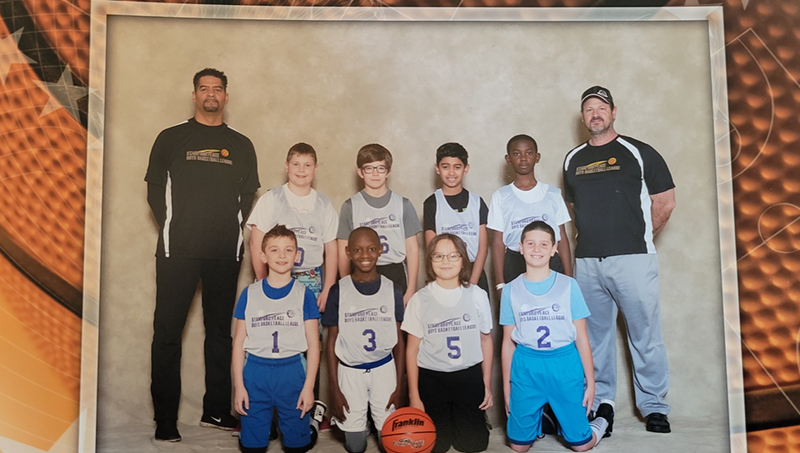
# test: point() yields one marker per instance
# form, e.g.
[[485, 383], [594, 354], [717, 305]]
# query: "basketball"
[[408, 430]]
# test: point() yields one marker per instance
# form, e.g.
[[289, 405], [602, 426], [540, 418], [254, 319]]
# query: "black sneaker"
[[658, 423], [224, 422], [167, 432], [607, 412]]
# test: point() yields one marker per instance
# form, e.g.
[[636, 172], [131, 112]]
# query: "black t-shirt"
[[330, 317], [204, 170], [610, 186], [457, 202]]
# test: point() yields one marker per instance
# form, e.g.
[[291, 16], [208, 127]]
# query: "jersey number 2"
[[545, 333]]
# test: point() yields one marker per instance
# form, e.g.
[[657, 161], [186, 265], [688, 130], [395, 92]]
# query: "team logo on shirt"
[[461, 229], [381, 222], [522, 223], [290, 313], [598, 167], [274, 319], [311, 229], [450, 325], [466, 317], [368, 315], [541, 314], [304, 233], [556, 308], [392, 217], [216, 156]]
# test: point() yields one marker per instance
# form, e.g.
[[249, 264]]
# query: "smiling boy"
[[453, 209]]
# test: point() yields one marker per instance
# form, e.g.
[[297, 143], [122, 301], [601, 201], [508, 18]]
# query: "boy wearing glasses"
[[393, 217]]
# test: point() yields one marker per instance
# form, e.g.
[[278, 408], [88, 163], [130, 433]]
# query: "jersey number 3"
[[370, 346]]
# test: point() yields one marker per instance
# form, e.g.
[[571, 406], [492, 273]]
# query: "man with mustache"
[[622, 195], [201, 181]]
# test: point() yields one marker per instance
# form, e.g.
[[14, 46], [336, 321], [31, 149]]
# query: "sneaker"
[[658, 423], [167, 432], [607, 412], [549, 422], [318, 411], [236, 431], [226, 422]]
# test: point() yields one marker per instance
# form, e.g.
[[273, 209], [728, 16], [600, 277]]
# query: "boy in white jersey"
[[546, 355], [364, 346], [453, 209], [276, 321], [309, 214], [449, 350], [392, 216], [520, 203]]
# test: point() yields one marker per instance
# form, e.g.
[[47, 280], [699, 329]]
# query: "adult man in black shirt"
[[201, 181], [622, 195]]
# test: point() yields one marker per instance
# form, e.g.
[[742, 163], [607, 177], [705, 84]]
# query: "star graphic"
[[10, 54], [62, 94]]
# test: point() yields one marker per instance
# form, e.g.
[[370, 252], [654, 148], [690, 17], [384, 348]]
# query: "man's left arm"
[[661, 208]]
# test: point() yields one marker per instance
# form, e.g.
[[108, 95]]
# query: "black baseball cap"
[[604, 94]]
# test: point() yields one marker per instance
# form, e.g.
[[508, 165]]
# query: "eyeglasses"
[[438, 257], [368, 169]]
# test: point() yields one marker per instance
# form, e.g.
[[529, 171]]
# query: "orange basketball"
[[408, 430]]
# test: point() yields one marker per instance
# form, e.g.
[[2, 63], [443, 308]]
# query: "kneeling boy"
[[363, 316], [276, 321]]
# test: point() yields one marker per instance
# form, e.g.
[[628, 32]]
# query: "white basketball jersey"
[[518, 214], [275, 327], [307, 226], [542, 322], [387, 222], [367, 325], [466, 224], [452, 337]]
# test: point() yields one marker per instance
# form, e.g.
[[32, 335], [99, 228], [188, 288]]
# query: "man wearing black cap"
[[622, 195]]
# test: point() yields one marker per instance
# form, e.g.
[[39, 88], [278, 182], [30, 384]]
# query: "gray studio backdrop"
[[410, 86]]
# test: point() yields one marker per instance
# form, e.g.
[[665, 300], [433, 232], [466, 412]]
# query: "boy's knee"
[[251, 450], [309, 446], [585, 447], [520, 448], [356, 442]]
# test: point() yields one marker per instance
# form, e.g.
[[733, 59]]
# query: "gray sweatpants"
[[628, 283]]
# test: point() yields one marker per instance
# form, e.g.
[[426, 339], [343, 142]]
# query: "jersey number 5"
[[452, 345]]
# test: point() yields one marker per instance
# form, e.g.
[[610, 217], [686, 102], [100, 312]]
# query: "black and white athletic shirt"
[[610, 186], [204, 170]]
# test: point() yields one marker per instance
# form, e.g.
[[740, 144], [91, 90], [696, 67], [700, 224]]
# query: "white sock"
[[598, 426]]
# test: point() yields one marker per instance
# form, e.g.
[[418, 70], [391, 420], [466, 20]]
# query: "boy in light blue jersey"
[[546, 354]]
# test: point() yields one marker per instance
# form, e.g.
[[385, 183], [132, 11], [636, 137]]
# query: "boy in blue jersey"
[[276, 321], [453, 209], [365, 347], [546, 355]]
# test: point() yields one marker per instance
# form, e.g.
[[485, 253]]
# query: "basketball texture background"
[[44, 49]]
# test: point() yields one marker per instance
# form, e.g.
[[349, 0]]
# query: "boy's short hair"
[[301, 149], [461, 248], [211, 72], [373, 153], [367, 230], [278, 231], [521, 137], [452, 149], [538, 225]]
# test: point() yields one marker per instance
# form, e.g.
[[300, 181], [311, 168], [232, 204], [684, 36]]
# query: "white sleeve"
[[261, 216], [411, 322], [331, 223], [495, 220], [484, 310], [562, 213]]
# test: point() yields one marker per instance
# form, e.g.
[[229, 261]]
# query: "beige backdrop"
[[411, 87]]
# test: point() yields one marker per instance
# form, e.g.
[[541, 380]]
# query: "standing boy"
[[201, 181], [276, 321], [309, 214], [363, 317], [393, 217], [453, 209], [546, 355], [520, 203]]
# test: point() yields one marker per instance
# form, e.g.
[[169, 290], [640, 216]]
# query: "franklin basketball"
[[408, 430]]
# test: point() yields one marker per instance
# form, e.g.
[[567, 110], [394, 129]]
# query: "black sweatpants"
[[452, 400], [176, 283]]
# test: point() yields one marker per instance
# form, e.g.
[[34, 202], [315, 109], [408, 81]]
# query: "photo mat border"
[[101, 9]]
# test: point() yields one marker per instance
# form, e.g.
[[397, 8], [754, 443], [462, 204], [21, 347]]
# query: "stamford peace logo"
[[612, 161], [466, 317], [392, 217], [544, 217], [471, 225], [290, 313], [556, 308], [224, 153], [311, 230], [384, 309]]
